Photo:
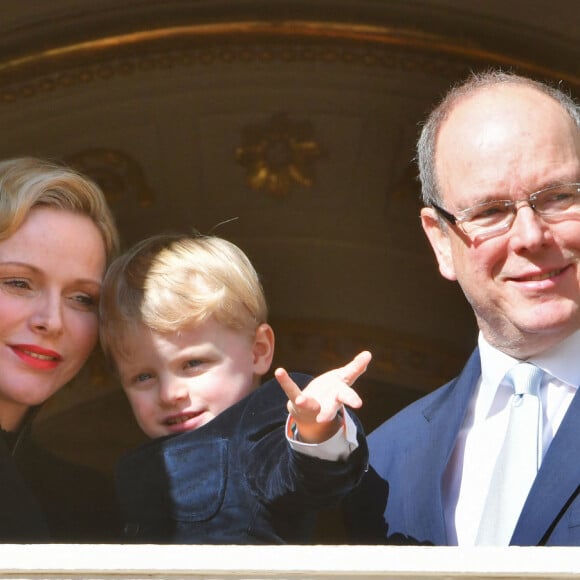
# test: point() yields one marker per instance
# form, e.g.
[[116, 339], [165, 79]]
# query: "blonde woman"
[[57, 236]]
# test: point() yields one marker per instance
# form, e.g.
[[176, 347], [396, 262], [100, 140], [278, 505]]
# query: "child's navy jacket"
[[235, 480]]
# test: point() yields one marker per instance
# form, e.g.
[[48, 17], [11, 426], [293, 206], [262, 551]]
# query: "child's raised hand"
[[315, 408]]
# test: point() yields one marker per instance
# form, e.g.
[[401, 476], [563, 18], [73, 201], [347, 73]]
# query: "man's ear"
[[440, 242], [263, 349]]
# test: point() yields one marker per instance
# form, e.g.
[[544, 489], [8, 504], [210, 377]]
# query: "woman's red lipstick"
[[37, 357]]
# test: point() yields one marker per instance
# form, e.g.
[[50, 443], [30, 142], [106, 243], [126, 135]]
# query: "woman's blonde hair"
[[28, 182], [171, 281]]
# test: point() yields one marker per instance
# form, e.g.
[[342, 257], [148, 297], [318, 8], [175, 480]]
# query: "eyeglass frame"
[[457, 221]]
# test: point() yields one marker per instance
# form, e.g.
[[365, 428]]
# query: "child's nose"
[[172, 391]]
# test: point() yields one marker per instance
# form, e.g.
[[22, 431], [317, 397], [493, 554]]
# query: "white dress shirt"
[[468, 474]]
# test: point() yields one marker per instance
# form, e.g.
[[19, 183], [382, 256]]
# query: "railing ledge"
[[106, 561]]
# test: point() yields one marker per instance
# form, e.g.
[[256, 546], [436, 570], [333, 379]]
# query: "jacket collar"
[[555, 484]]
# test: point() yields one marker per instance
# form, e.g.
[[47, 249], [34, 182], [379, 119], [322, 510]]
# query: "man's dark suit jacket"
[[400, 498], [233, 481]]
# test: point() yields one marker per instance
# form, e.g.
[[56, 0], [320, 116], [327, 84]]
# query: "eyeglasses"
[[492, 218]]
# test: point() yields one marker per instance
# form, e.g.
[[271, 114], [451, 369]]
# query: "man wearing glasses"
[[493, 457]]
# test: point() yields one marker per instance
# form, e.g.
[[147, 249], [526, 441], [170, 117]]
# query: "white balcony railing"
[[118, 562]]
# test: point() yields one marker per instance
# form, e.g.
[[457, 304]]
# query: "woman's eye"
[[142, 377], [17, 283], [84, 301]]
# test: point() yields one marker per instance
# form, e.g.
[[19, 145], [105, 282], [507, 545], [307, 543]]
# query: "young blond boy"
[[183, 320]]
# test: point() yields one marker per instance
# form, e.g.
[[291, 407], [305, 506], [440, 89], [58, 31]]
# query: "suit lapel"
[[444, 417], [556, 482], [449, 409]]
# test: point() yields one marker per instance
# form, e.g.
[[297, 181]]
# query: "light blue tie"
[[518, 461]]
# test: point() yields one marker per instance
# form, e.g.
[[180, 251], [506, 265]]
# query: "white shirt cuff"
[[339, 446]]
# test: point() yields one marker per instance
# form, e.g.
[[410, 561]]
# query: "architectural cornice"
[[249, 41]]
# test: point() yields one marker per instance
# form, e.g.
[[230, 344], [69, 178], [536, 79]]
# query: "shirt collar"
[[560, 362], [563, 360], [494, 365]]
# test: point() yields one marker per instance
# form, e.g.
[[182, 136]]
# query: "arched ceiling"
[[534, 33]]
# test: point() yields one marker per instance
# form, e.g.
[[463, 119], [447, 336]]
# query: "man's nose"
[[528, 229]]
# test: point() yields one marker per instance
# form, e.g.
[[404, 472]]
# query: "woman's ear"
[[440, 242], [263, 349]]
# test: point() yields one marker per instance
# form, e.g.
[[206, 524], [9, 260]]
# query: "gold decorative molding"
[[120, 177], [45, 70], [278, 154]]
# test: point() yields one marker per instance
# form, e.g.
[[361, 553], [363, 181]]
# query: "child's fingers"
[[327, 412], [330, 392], [306, 408], [291, 389], [356, 367], [329, 407], [299, 405], [349, 397]]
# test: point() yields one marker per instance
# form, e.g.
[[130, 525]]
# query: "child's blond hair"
[[171, 281]]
